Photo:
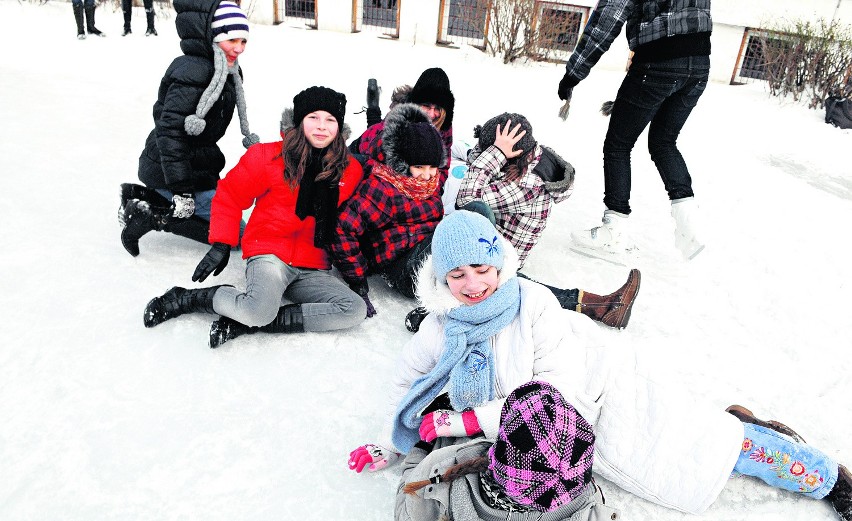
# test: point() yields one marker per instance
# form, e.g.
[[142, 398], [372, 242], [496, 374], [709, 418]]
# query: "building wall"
[[419, 24]]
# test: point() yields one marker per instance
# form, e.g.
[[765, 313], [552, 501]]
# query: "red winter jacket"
[[273, 227]]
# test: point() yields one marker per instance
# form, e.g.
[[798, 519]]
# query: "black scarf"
[[318, 199]]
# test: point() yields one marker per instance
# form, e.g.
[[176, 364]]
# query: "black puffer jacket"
[[173, 159]]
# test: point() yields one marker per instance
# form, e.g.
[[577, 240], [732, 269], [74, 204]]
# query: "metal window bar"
[[381, 16], [298, 12], [560, 25], [464, 22], [752, 59]]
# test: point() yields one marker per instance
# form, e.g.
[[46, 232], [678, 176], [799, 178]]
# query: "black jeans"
[[401, 273], [662, 94]]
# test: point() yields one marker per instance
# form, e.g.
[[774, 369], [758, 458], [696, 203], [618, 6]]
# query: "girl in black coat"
[[181, 162]]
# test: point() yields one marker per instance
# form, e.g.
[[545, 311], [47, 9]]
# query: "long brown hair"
[[479, 464], [514, 168], [296, 151]]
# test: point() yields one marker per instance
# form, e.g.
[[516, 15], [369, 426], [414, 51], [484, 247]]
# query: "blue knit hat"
[[463, 238], [229, 23]]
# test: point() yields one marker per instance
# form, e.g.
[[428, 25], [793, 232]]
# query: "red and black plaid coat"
[[371, 146], [377, 225]]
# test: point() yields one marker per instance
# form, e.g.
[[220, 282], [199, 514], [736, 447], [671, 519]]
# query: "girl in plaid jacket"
[[386, 226]]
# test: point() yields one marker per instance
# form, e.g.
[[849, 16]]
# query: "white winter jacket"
[[660, 445]]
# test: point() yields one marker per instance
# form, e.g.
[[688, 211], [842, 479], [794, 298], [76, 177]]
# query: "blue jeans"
[[662, 94], [781, 462]]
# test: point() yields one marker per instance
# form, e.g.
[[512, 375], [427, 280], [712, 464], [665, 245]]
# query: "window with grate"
[[756, 55], [300, 11], [560, 25]]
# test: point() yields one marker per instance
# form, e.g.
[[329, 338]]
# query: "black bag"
[[838, 111]]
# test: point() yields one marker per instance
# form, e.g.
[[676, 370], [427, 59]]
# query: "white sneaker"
[[687, 227], [607, 241]]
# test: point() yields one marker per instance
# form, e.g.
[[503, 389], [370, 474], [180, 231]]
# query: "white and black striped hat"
[[229, 22]]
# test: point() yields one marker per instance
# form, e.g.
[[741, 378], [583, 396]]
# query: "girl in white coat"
[[488, 332]]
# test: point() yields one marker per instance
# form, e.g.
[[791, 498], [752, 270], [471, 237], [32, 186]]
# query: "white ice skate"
[[606, 242], [687, 236]]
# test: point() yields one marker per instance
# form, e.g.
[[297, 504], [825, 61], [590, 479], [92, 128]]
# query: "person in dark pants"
[[88, 7], [668, 73], [127, 9]]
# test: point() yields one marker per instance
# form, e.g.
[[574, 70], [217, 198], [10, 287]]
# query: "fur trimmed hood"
[[556, 172], [435, 295], [287, 116], [395, 138]]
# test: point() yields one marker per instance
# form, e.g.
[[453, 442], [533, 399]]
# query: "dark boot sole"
[[746, 416]]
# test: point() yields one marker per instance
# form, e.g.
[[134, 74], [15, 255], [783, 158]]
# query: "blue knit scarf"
[[467, 362]]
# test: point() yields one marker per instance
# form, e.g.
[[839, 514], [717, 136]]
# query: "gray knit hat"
[[487, 133]]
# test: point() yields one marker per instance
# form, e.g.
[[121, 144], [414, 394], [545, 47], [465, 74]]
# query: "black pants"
[[402, 272]]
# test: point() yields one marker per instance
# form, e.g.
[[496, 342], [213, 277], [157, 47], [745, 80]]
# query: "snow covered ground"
[[101, 418]]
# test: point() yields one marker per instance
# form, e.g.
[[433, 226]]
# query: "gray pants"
[[327, 303]]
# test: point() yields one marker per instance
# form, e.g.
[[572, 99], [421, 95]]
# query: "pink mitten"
[[376, 456], [449, 423]]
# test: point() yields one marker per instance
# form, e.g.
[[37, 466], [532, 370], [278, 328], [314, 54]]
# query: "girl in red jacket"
[[295, 186]]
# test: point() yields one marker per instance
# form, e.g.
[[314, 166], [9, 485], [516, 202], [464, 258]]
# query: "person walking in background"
[[490, 332], [127, 9], [295, 186], [667, 75], [181, 162], [87, 7]]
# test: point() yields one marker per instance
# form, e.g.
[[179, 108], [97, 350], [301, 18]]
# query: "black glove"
[[566, 85], [363, 289], [183, 205], [216, 259], [606, 108]]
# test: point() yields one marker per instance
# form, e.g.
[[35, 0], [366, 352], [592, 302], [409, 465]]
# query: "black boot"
[[289, 320], [149, 15], [130, 191], [90, 21], [414, 318], [78, 17], [127, 9], [840, 496], [177, 301], [194, 228], [141, 217], [374, 113]]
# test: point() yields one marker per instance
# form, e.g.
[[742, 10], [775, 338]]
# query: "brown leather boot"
[[746, 416], [613, 309]]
